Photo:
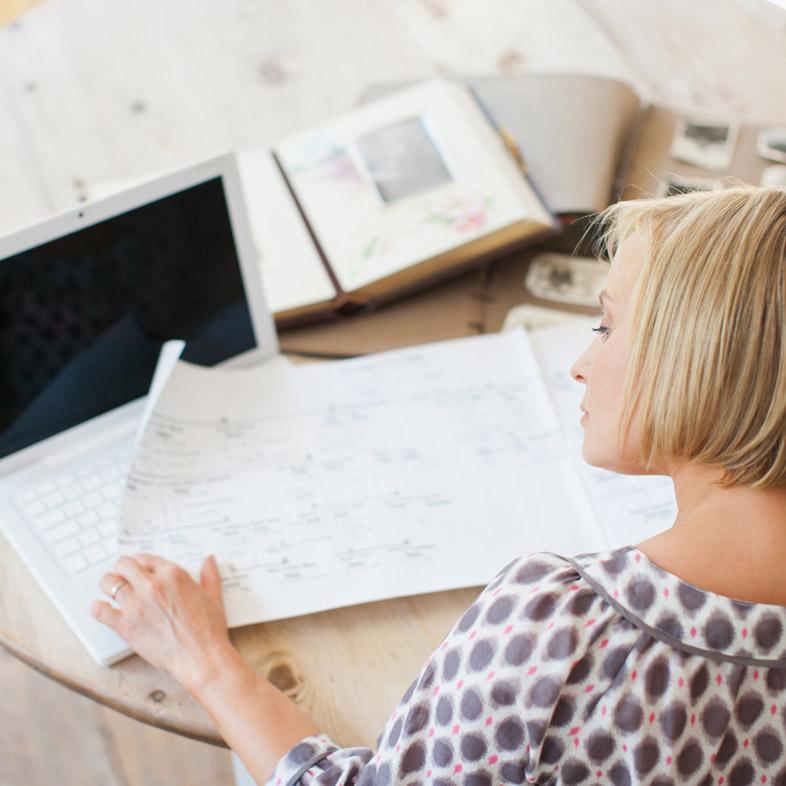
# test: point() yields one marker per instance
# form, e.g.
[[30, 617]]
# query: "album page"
[[405, 179], [293, 274]]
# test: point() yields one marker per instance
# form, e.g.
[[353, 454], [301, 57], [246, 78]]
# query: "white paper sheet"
[[321, 486], [167, 360]]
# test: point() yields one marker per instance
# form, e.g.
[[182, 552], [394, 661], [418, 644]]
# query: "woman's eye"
[[602, 330]]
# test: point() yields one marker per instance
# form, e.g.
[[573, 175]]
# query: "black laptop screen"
[[82, 318]]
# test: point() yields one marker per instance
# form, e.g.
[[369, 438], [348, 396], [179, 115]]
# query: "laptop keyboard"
[[75, 512]]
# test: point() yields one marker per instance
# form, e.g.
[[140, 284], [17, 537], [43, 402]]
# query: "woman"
[[661, 662]]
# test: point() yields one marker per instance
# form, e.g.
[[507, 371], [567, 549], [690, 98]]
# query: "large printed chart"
[[332, 484]]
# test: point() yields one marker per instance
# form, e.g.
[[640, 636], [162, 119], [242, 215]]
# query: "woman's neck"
[[731, 541]]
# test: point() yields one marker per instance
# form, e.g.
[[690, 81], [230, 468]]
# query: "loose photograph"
[[703, 144], [772, 144], [774, 175]]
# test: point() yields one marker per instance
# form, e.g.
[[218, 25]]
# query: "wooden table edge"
[[125, 708]]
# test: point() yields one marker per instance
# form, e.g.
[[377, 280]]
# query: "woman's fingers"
[[136, 575], [151, 562], [110, 581], [210, 579], [108, 615], [164, 615]]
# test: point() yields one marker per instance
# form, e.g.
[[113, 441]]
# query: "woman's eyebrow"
[[605, 294]]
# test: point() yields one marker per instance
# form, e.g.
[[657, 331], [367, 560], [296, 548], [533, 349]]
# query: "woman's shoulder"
[[585, 664], [538, 586], [527, 633], [534, 594]]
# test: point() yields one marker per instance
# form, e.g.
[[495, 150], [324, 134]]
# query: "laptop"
[[87, 298]]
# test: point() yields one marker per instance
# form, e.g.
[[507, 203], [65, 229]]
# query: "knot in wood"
[[272, 72], [282, 677], [280, 671]]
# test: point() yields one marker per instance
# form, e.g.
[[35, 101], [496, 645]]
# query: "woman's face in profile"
[[602, 366]]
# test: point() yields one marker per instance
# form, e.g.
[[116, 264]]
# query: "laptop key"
[[49, 519], [53, 499], [89, 537], [65, 548], [74, 564], [95, 554], [73, 508], [88, 520], [61, 531], [92, 500], [32, 508]]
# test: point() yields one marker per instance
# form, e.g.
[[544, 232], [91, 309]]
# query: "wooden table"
[[91, 92]]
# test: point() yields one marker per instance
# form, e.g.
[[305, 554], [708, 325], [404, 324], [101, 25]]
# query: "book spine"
[[340, 294]]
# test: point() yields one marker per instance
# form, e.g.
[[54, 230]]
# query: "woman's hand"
[[172, 621], [179, 625]]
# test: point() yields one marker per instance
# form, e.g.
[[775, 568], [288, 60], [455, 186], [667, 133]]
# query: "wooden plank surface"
[[52, 735], [94, 91]]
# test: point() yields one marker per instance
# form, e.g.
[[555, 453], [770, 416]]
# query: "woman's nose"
[[580, 367]]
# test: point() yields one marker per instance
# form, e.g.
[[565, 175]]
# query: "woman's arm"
[[257, 721], [179, 625]]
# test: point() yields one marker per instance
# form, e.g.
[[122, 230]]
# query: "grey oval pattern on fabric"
[[597, 669]]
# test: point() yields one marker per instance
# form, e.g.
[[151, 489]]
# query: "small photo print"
[[703, 144], [774, 175], [565, 279], [403, 159], [772, 144], [672, 185]]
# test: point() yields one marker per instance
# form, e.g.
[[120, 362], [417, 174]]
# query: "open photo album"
[[385, 199]]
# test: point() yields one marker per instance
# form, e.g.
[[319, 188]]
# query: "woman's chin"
[[596, 457], [589, 453], [614, 463], [590, 459]]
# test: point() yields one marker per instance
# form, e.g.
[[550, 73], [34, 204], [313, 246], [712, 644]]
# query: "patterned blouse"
[[602, 668]]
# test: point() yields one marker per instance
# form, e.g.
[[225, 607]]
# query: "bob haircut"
[[708, 343]]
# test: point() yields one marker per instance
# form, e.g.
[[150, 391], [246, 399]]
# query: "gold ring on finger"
[[116, 587]]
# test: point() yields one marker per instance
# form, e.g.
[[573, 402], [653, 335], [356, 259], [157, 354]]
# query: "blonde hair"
[[709, 314]]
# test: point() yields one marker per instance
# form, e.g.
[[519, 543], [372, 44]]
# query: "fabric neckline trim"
[[683, 615]]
